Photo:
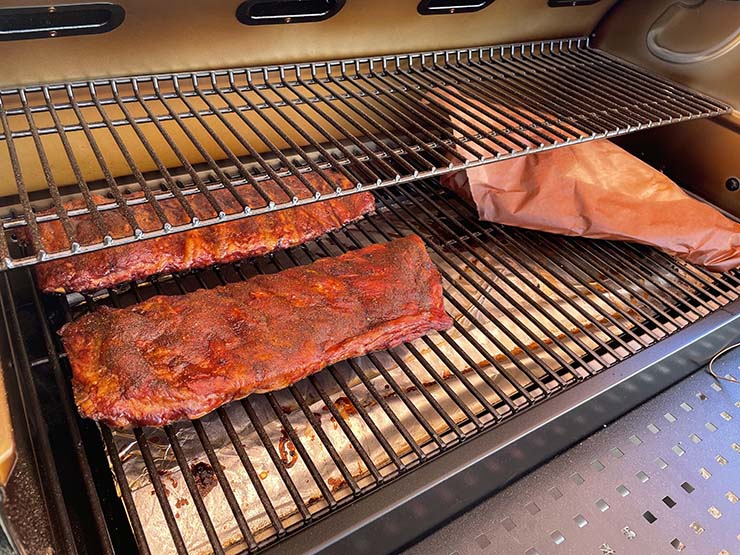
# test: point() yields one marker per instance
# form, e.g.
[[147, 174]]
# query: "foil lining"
[[503, 332]]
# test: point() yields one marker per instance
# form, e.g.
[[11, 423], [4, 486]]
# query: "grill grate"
[[534, 314], [377, 121]]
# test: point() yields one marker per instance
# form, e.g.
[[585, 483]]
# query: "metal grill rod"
[[112, 185], [491, 360], [136, 172], [379, 398], [356, 121], [353, 399], [275, 521], [526, 259]]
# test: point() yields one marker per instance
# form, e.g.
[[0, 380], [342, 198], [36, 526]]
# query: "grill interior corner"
[[320, 276]]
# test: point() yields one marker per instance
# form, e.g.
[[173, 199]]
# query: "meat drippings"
[[288, 453], [205, 477]]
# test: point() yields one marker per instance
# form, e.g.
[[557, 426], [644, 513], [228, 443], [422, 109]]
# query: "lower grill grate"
[[534, 314]]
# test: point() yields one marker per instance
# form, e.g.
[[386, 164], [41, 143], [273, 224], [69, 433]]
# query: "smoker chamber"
[[370, 453]]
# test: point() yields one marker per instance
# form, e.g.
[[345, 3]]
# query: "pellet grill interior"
[[544, 325], [534, 314]]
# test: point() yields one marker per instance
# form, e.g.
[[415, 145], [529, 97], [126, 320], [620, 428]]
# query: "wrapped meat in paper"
[[598, 190]]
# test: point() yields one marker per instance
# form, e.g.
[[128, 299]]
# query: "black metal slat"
[[490, 357], [71, 418], [159, 490], [679, 278], [316, 476], [325, 441], [595, 272], [200, 506], [644, 272], [291, 433], [378, 398], [636, 283], [349, 434], [340, 421], [44, 459], [224, 483], [128, 498], [490, 382], [573, 268], [276, 460], [374, 392], [265, 500], [361, 410], [697, 272], [301, 449]]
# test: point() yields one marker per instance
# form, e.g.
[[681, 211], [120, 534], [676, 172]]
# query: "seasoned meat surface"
[[198, 248], [171, 358]]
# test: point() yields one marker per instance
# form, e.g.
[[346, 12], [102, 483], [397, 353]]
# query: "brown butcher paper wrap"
[[597, 190]]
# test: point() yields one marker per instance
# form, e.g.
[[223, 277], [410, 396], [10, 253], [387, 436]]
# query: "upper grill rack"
[[376, 121]]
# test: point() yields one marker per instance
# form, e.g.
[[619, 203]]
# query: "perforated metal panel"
[[663, 479]]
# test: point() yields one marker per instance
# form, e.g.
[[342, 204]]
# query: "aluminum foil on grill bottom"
[[514, 329]]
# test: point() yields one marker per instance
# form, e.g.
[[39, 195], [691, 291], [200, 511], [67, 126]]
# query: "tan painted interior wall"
[[701, 155], [161, 36]]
